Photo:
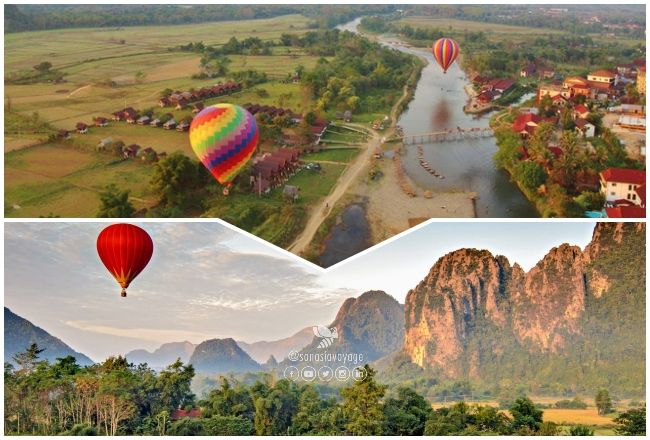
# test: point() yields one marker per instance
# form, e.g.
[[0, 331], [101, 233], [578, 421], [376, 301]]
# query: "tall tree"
[[526, 415], [362, 405], [28, 359], [603, 402]]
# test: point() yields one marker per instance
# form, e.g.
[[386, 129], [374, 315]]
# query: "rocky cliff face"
[[371, 326], [473, 307]]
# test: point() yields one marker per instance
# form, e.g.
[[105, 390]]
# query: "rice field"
[[65, 182]]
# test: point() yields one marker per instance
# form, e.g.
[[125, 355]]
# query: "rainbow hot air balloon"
[[445, 51], [125, 250], [224, 137]]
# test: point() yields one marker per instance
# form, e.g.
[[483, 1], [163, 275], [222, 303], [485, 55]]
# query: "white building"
[[618, 184]]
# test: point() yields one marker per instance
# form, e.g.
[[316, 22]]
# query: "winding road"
[[323, 209]]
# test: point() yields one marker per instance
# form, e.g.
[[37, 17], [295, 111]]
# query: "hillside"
[[20, 334], [221, 356], [261, 351], [574, 322], [163, 355], [371, 326]]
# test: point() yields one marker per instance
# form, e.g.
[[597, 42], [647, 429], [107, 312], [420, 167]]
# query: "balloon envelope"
[[125, 250], [224, 137], [445, 51]]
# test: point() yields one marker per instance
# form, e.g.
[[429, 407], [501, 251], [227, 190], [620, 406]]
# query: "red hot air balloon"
[[125, 250], [445, 51]]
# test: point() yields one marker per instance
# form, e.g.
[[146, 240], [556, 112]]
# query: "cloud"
[[204, 281], [145, 334]]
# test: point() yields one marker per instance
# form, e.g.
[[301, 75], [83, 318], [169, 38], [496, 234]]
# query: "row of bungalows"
[[132, 151], [181, 100], [131, 116], [275, 168]]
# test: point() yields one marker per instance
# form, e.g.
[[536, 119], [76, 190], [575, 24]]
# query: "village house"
[[197, 107], [586, 128], [164, 102], [104, 144], [526, 123], [575, 85], [100, 121], [81, 128], [551, 90], [620, 184], [500, 85], [183, 126], [181, 104], [155, 123], [130, 115], [605, 77], [318, 129], [170, 125], [528, 70], [131, 151], [144, 120], [546, 72], [560, 101], [487, 96], [580, 111]]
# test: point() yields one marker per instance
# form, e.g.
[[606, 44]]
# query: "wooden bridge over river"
[[458, 134]]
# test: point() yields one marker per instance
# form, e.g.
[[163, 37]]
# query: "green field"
[[64, 181], [343, 155], [93, 58], [100, 77], [499, 32]]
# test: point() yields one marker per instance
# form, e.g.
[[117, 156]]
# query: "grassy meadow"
[[105, 70]]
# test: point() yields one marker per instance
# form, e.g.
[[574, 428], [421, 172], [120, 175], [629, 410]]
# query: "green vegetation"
[[631, 422], [118, 398], [38, 17], [115, 203]]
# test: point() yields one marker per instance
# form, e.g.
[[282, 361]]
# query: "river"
[[466, 165]]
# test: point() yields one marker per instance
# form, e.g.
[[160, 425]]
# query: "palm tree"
[[572, 160], [538, 144]]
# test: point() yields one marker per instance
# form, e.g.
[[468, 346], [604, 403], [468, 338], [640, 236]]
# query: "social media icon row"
[[324, 374]]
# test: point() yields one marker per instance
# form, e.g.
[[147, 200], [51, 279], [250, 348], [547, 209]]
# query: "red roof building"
[[526, 123], [623, 175], [501, 85], [625, 212], [622, 184], [181, 413], [640, 191]]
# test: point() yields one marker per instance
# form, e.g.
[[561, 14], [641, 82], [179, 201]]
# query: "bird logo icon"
[[327, 335]]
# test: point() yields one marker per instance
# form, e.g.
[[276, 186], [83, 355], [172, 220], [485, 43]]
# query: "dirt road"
[[320, 211]]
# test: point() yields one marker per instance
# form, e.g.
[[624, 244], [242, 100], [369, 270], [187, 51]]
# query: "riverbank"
[[390, 210]]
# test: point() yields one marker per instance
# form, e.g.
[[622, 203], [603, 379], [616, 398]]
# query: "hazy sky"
[[206, 281]]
